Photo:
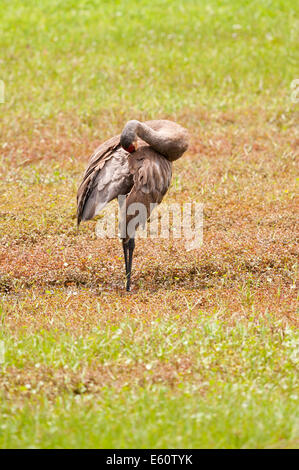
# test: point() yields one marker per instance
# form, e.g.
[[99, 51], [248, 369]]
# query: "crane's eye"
[[131, 148]]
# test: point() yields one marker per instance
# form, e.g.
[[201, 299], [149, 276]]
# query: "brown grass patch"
[[242, 166]]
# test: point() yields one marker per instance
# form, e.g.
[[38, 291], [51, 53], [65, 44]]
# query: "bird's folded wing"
[[106, 176]]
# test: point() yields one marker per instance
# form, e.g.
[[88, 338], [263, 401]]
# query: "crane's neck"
[[168, 139], [151, 137]]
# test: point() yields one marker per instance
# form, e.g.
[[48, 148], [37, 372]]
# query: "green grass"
[[204, 351], [239, 388], [155, 417], [96, 58]]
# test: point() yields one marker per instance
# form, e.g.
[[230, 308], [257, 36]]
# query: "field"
[[204, 351]]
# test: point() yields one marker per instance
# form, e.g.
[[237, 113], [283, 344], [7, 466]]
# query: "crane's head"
[[131, 147], [128, 138]]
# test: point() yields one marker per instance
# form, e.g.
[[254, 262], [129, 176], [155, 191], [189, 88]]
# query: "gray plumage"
[[137, 163]]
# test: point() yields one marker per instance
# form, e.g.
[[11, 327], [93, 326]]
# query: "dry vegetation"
[[241, 166]]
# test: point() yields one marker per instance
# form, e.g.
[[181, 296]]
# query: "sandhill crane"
[[136, 164]]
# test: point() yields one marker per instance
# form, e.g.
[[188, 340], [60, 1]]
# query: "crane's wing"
[[152, 176], [107, 176]]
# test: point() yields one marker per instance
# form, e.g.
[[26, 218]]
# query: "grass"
[[94, 58], [204, 351], [163, 385]]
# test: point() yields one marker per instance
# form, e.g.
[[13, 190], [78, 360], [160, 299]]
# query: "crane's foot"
[[128, 248]]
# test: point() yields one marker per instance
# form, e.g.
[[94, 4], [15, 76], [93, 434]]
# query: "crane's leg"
[[125, 248], [131, 244], [128, 247]]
